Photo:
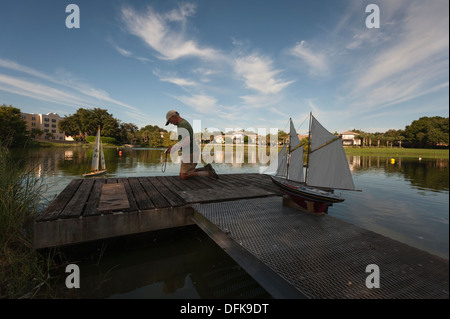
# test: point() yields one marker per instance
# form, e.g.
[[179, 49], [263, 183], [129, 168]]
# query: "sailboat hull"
[[96, 173], [302, 195]]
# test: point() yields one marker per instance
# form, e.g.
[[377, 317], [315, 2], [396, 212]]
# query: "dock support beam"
[[76, 230], [276, 286]]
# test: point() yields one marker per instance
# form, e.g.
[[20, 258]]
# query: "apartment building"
[[350, 138], [47, 124]]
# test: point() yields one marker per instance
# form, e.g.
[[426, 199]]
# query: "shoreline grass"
[[362, 151], [399, 152], [22, 269]]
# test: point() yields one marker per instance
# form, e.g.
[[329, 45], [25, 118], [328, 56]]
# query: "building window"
[[46, 125], [46, 119], [53, 131], [46, 130], [33, 118], [53, 125], [54, 120], [33, 124]]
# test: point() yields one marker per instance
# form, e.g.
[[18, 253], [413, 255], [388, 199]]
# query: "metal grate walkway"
[[324, 257]]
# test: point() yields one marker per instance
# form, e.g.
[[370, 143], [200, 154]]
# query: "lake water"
[[406, 199]]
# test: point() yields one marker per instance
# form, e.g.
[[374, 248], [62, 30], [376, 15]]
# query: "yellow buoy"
[[392, 160]]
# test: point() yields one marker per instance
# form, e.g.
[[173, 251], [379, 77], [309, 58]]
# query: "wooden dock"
[[291, 254], [97, 208]]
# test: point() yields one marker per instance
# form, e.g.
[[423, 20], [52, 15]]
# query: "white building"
[[45, 123], [349, 138]]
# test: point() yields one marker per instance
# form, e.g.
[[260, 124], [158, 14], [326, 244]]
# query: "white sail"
[[95, 156], [295, 171], [282, 162], [102, 158], [328, 166]]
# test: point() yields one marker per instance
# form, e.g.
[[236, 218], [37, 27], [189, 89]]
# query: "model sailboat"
[[326, 169], [98, 165]]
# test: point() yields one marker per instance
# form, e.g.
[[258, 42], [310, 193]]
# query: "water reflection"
[[431, 174], [405, 198], [182, 263]]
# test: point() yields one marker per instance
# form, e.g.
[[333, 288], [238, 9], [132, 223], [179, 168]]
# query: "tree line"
[[426, 132]]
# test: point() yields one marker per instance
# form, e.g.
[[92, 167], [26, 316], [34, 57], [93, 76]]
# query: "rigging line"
[[301, 144], [285, 126], [164, 164], [297, 128], [327, 143]]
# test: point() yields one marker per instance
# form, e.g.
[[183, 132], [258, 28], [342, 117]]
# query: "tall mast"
[[308, 150], [288, 151]]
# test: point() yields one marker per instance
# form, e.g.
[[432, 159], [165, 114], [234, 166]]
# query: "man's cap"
[[169, 115]]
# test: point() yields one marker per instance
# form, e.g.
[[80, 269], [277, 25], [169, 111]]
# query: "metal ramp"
[[320, 256]]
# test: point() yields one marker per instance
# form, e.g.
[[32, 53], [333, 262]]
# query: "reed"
[[22, 269]]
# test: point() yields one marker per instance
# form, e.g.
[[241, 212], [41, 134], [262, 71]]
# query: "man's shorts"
[[187, 168]]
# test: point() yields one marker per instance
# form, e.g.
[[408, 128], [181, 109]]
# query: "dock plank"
[[181, 184], [167, 192], [169, 183], [155, 196], [60, 202], [142, 200], [76, 205], [92, 204], [130, 195], [113, 198], [222, 194]]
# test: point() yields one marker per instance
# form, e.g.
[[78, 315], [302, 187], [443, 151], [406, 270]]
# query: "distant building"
[[349, 138], [44, 127], [236, 137]]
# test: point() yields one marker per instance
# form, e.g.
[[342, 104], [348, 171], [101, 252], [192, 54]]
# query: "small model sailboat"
[[98, 165], [326, 169]]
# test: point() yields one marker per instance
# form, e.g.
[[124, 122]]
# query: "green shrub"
[[105, 140]]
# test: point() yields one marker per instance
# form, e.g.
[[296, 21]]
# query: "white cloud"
[[123, 51], [259, 75], [156, 31], [179, 81], [38, 91], [173, 78], [410, 62], [48, 92], [316, 61], [201, 103]]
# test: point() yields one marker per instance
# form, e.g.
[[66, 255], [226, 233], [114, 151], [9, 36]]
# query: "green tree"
[[427, 132], [13, 129], [85, 122], [155, 139], [128, 132], [282, 137]]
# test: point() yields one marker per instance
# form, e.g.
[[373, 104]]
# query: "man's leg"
[[188, 170]]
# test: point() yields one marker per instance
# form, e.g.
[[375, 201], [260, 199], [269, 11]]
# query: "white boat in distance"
[[326, 169], [98, 166]]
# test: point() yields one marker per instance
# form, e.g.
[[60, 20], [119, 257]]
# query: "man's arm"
[[183, 143]]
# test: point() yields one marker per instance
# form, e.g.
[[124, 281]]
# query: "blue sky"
[[230, 64]]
